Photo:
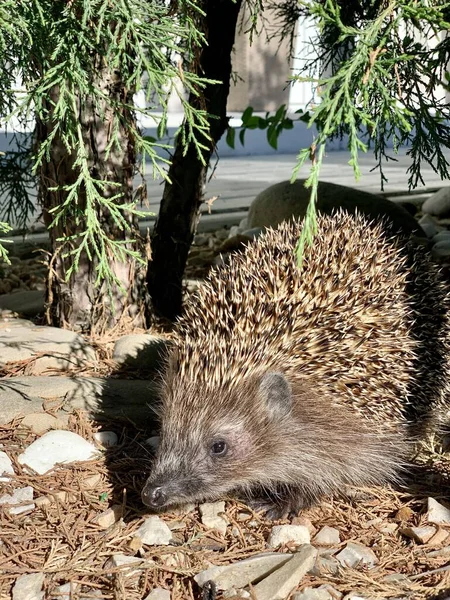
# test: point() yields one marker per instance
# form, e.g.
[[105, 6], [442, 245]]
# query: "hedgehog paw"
[[277, 505]]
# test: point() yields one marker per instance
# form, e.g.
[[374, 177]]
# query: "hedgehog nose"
[[154, 497]]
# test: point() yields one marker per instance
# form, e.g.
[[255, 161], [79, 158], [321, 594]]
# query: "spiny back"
[[346, 320]]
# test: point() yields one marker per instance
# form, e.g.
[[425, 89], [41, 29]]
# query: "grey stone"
[[65, 591], [325, 565], [8, 323], [154, 532], [284, 200], [29, 587], [131, 398], [106, 438], [63, 349], [441, 249], [15, 502], [284, 580], [140, 350], [319, 593], [254, 232], [437, 512], [395, 578], [327, 536], [41, 422], [153, 442], [201, 239], [438, 204], [29, 303], [419, 534], [6, 467], [158, 594], [125, 563], [243, 572], [56, 447], [356, 554], [211, 517], [284, 534], [441, 236], [429, 226]]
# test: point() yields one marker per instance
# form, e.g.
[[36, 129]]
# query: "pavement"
[[235, 181]]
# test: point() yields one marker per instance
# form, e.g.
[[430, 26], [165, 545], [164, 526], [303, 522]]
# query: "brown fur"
[[315, 377]]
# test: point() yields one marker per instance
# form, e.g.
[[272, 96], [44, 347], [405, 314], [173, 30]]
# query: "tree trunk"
[[180, 206], [77, 301]]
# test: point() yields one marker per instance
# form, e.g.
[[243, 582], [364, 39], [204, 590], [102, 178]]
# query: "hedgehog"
[[289, 382]]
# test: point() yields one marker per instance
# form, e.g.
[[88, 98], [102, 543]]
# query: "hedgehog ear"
[[276, 391]]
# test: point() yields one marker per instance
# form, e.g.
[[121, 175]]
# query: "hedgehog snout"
[[154, 496]]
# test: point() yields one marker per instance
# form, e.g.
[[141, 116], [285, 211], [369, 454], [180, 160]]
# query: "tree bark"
[[180, 206], [78, 302]]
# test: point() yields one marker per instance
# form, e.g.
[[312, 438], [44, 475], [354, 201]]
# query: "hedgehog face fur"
[[292, 383]]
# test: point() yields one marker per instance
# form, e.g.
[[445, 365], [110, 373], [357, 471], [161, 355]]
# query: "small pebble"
[[154, 532], [106, 438], [19, 496], [327, 536], [211, 516], [306, 523], [285, 534], [29, 587], [110, 516], [355, 554], [127, 562], [158, 594], [6, 466]]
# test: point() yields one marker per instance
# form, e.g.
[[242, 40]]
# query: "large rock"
[[55, 348], [140, 350], [130, 398], [29, 303], [283, 201], [438, 204]]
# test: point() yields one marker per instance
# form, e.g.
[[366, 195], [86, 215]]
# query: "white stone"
[[211, 517], [285, 534], [29, 587], [284, 580], [243, 572], [419, 534], [356, 554], [65, 591], [437, 513], [106, 438], [56, 447], [60, 346], [158, 594], [439, 203], [325, 565], [327, 536], [19, 496], [154, 532], [126, 563], [6, 466], [41, 422], [308, 593]]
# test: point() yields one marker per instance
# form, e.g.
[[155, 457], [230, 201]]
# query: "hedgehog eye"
[[219, 448]]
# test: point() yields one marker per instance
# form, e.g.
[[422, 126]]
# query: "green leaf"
[[247, 114], [231, 136]]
